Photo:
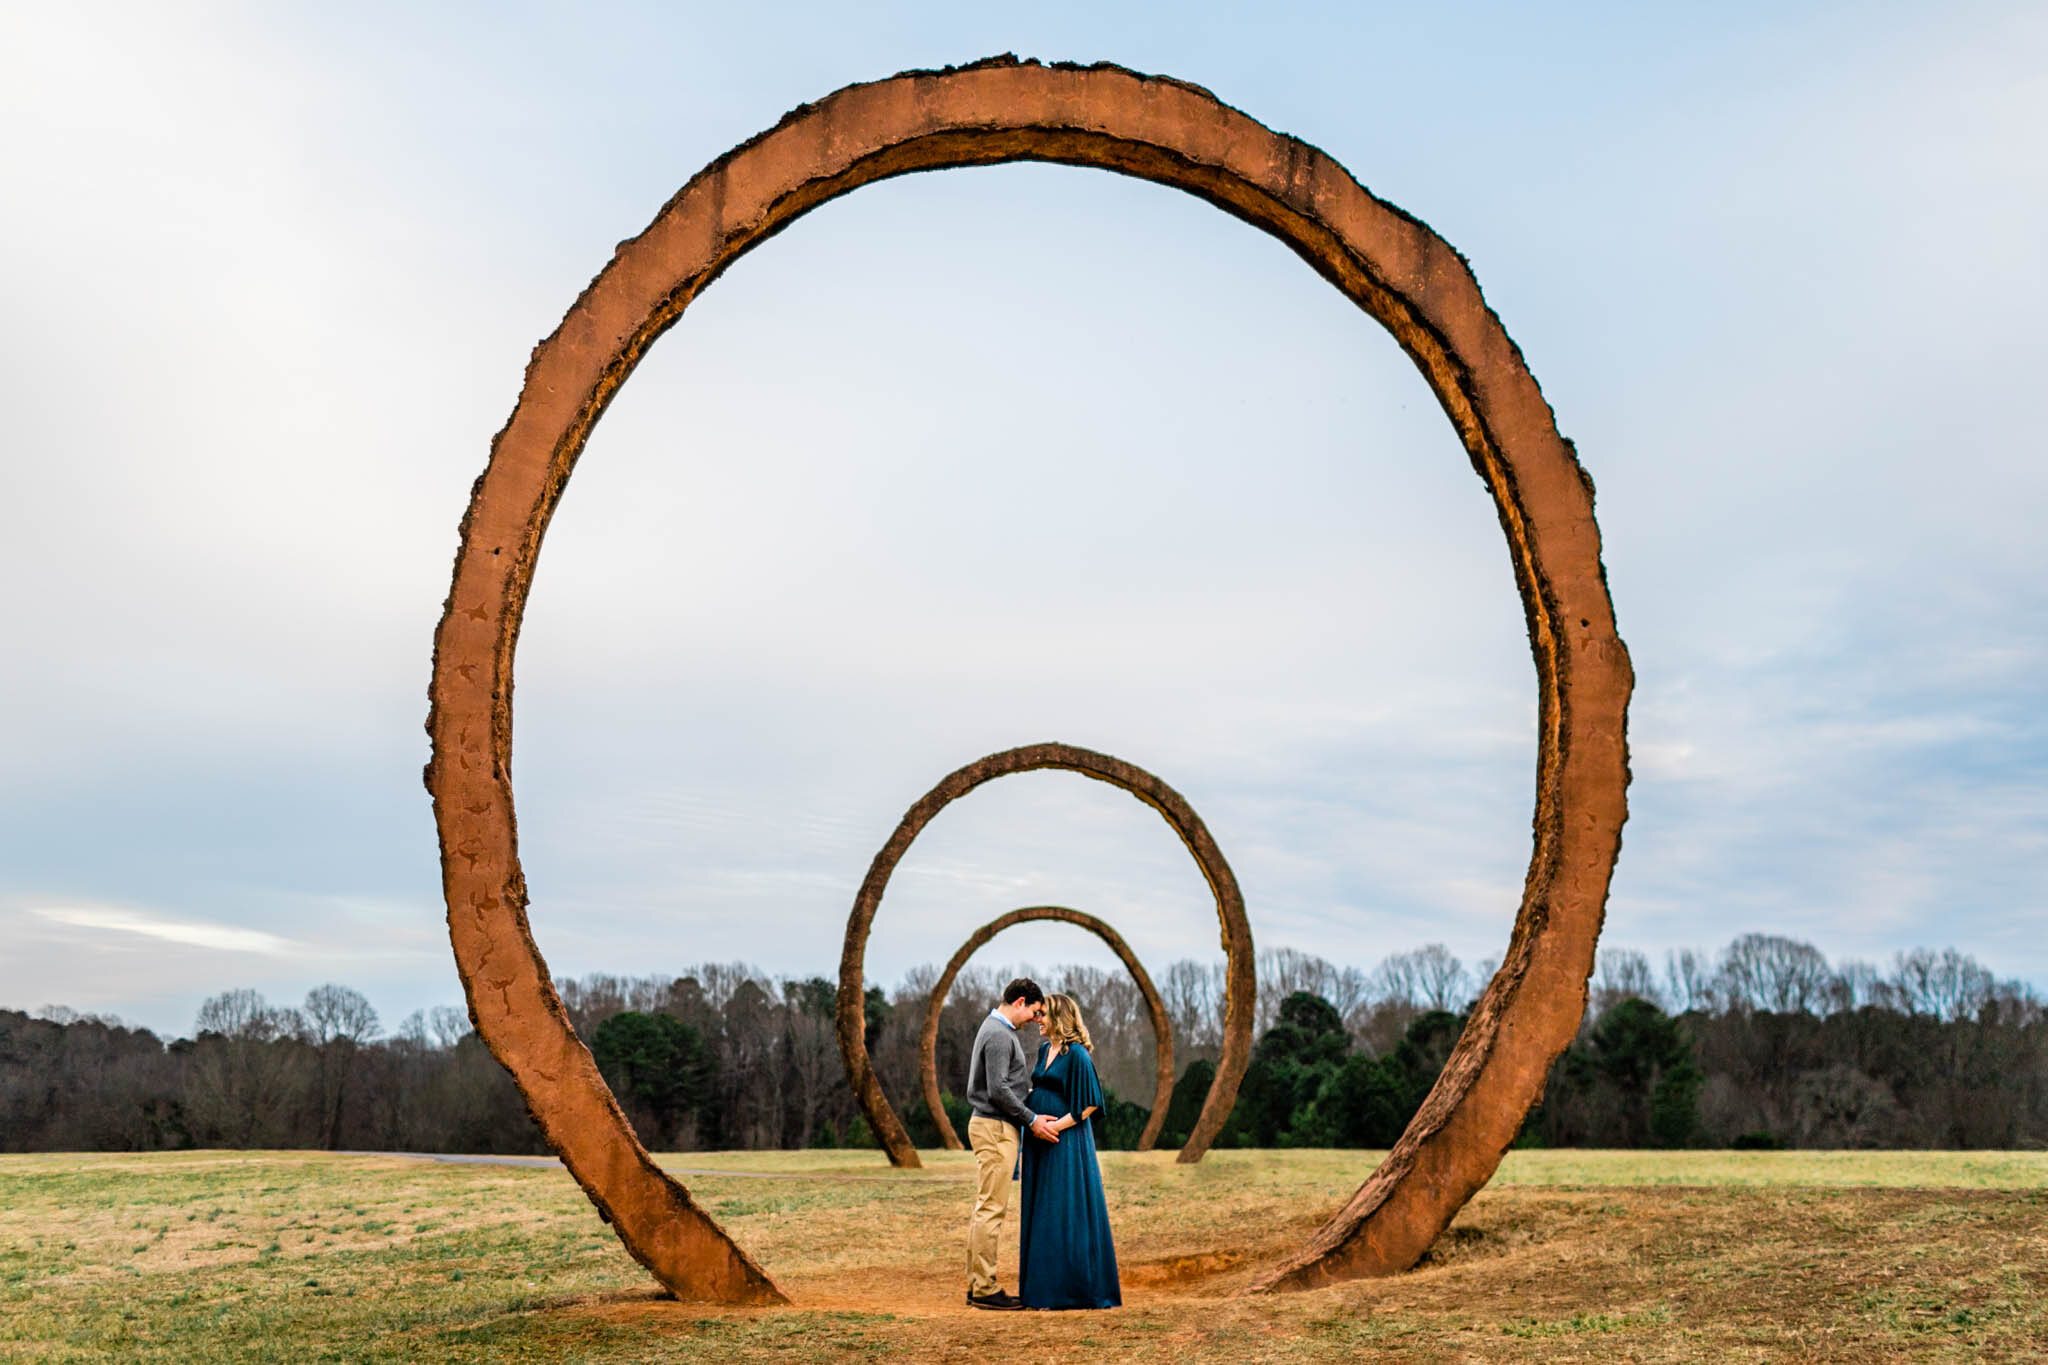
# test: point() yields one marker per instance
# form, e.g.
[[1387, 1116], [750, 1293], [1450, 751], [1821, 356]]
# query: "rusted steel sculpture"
[[1240, 977], [1162, 1026], [1390, 264]]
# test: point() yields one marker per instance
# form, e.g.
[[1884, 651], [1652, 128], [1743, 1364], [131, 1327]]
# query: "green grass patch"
[[287, 1256]]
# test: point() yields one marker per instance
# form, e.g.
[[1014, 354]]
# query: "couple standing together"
[[1065, 1258]]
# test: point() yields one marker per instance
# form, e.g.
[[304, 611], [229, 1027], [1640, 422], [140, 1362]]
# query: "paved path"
[[468, 1159]]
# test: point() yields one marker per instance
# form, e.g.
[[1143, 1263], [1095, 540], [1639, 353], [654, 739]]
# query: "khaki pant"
[[995, 1156]]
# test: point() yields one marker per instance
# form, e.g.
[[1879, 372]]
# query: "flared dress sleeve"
[[1084, 1090]]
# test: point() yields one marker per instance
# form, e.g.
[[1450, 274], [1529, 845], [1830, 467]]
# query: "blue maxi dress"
[[1065, 1258]]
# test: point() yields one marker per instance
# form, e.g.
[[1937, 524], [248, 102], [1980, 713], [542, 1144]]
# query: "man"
[[998, 1079]]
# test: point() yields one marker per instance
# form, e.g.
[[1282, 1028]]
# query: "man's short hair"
[[1025, 989]]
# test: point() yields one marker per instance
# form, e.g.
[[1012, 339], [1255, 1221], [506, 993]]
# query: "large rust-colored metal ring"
[[1162, 1025], [1055, 913], [1240, 978], [1390, 264]]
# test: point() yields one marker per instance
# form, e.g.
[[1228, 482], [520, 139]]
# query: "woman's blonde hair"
[[1063, 1022]]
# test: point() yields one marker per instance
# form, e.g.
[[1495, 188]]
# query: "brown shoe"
[[1000, 1300]]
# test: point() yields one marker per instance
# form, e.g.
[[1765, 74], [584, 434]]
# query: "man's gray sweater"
[[999, 1076]]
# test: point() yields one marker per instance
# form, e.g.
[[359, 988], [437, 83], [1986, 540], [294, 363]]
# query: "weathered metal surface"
[[1240, 965], [1390, 264], [1162, 1026]]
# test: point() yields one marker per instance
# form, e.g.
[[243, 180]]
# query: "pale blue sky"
[[989, 457]]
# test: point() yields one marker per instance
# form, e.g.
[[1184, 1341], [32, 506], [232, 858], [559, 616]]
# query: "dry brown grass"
[[314, 1257]]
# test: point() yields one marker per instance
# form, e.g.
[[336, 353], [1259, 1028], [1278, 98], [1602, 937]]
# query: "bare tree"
[[245, 1015], [969, 986], [1839, 1106], [1689, 982], [338, 1021], [592, 999], [446, 1025], [1623, 974], [1769, 972], [1948, 985], [750, 1079], [1193, 992], [1117, 1019], [1854, 985], [337, 1013], [720, 980], [248, 1071], [810, 1043], [973, 995], [1282, 972], [1445, 983], [1428, 978], [1397, 980]]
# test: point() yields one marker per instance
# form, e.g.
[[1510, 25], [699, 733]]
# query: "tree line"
[[1764, 1044]]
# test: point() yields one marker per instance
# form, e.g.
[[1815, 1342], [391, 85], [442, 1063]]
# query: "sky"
[[989, 457]]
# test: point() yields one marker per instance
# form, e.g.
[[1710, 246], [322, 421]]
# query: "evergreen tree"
[[1305, 1047], [657, 1065], [1190, 1093]]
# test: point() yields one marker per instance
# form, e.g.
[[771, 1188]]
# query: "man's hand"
[[1042, 1129]]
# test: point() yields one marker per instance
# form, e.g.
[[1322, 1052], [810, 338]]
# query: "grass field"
[[289, 1256]]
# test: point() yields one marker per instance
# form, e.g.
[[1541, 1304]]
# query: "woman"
[[1066, 1259]]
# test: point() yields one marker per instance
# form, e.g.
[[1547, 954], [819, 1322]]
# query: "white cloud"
[[225, 938]]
